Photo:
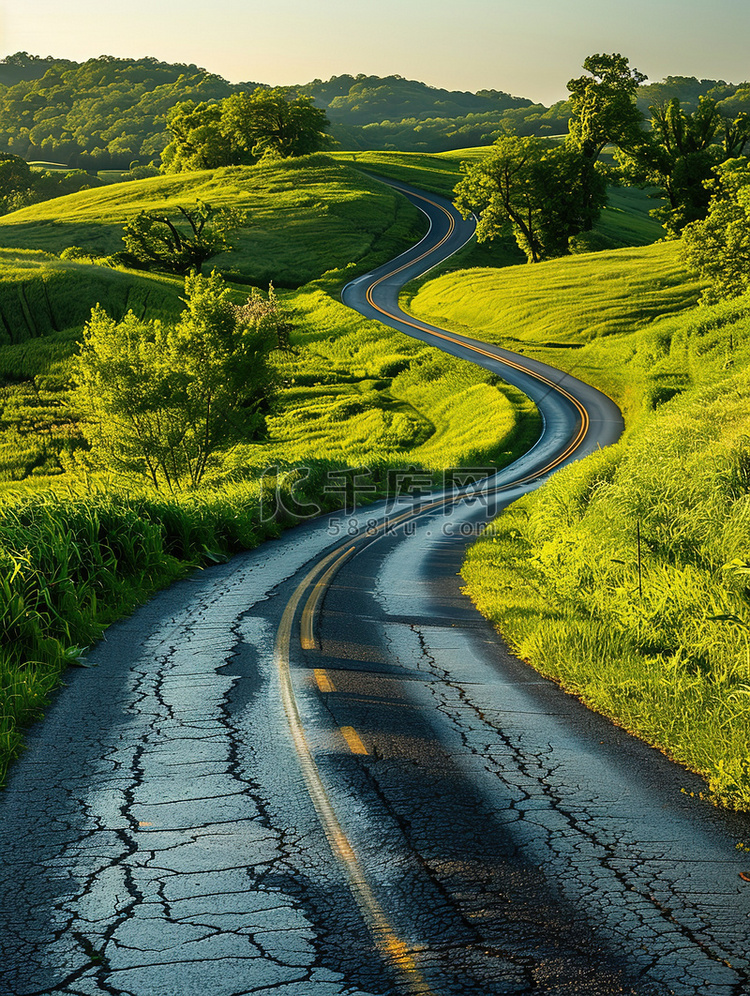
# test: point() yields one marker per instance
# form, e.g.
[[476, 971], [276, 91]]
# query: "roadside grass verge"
[[658, 641], [71, 564], [604, 317]]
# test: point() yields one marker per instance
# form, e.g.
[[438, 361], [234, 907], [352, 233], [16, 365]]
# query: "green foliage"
[[196, 138], [73, 563], [275, 123], [242, 129], [15, 175], [603, 112], [388, 113], [364, 99], [542, 193], [159, 400], [603, 105], [678, 156], [100, 114], [719, 247], [153, 240], [106, 113]]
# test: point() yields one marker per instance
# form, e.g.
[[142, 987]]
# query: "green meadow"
[[594, 315], [658, 639], [81, 549], [625, 578], [304, 217]]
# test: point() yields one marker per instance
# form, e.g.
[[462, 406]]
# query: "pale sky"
[[530, 48]]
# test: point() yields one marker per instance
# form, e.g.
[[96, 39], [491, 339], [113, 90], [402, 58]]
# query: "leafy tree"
[[533, 190], [603, 112], [15, 174], [160, 401], [603, 105], [198, 141], [266, 312], [679, 154], [155, 241], [271, 121], [242, 129], [718, 247]]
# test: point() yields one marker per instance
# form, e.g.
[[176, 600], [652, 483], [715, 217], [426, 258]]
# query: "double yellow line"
[[392, 948], [405, 320], [311, 590]]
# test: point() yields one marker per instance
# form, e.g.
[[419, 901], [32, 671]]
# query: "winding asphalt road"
[[315, 771]]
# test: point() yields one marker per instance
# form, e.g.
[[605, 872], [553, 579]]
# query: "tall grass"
[[71, 564], [626, 578]]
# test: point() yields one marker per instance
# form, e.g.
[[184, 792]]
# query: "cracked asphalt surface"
[[158, 838]]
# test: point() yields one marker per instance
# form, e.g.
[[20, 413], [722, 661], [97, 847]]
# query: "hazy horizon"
[[530, 51]]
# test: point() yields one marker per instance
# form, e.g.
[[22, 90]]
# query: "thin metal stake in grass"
[[640, 571]]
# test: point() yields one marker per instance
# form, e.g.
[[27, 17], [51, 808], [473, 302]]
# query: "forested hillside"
[[106, 113]]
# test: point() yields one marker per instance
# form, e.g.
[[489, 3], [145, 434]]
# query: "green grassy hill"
[[625, 577], [583, 313], [303, 217]]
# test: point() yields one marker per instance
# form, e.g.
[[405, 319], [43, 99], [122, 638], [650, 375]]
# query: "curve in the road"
[[159, 835], [576, 418]]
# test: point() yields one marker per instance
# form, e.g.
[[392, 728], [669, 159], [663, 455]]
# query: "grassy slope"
[[583, 313], [73, 560], [360, 393], [663, 648], [304, 217]]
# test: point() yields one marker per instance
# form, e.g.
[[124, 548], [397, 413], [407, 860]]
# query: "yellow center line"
[[584, 416], [391, 946], [307, 622], [393, 949], [324, 683], [353, 740]]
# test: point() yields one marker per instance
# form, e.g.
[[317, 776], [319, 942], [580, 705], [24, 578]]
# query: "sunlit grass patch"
[[597, 315], [304, 217], [626, 577]]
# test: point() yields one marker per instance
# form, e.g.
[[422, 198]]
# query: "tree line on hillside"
[[547, 193], [107, 113], [101, 114]]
